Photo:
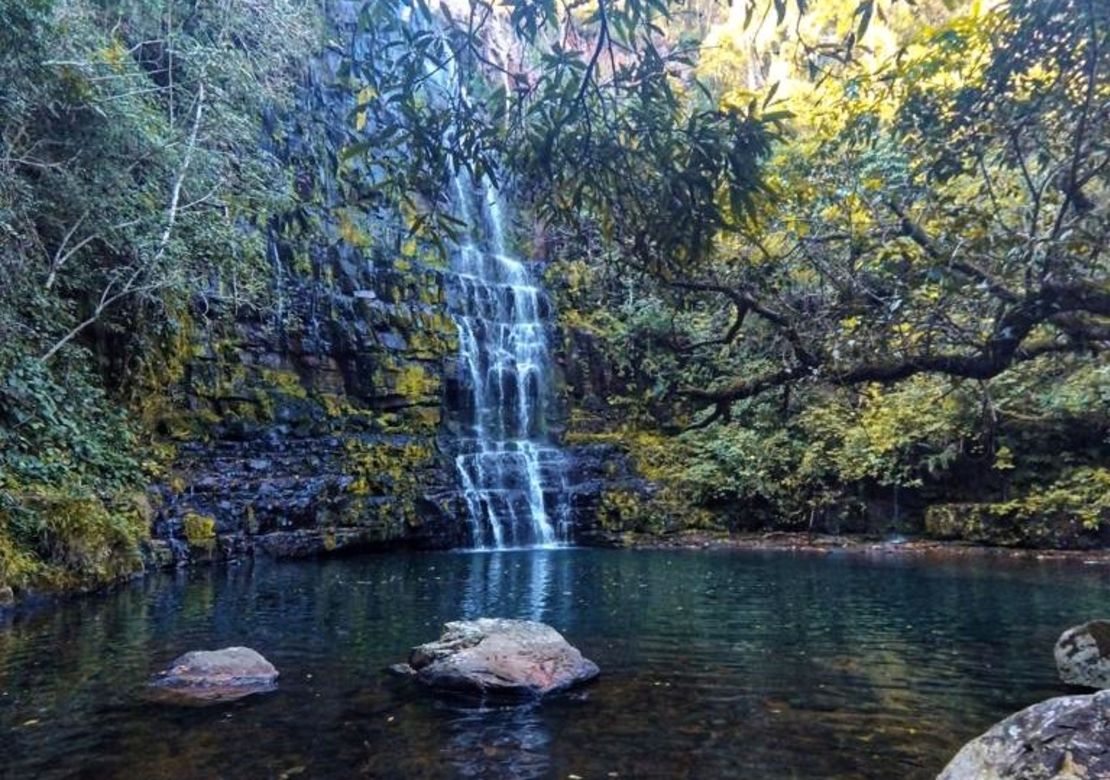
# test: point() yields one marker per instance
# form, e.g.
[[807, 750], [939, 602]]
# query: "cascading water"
[[512, 475]]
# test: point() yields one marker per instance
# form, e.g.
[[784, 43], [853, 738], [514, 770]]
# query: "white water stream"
[[511, 474]]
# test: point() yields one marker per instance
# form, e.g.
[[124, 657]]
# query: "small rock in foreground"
[[1059, 739], [500, 658], [1083, 655], [213, 676]]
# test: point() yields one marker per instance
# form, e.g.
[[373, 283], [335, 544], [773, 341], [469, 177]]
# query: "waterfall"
[[511, 473]]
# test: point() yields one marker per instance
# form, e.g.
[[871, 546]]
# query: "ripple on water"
[[713, 665]]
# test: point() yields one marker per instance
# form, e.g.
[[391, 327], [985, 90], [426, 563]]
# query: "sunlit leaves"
[[610, 126]]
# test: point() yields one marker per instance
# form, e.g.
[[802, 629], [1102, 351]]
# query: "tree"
[[596, 116], [133, 195], [983, 247], [125, 131]]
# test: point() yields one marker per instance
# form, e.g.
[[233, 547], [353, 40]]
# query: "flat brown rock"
[[499, 657], [212, 676]]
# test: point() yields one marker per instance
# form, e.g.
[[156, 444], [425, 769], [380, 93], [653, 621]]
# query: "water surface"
[[714, 664]]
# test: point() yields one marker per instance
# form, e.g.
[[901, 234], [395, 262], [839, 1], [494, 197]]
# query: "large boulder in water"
[[1059, 739], [1083, 655], [499, 657], [210, 676]]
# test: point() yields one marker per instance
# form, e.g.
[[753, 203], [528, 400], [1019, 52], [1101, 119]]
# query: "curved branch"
[[1004, 348]]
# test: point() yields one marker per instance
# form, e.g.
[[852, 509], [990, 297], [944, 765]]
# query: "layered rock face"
[[303, 445], [329, 421], [315, 425]]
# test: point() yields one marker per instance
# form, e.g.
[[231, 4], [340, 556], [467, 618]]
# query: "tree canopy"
[[873, 197]]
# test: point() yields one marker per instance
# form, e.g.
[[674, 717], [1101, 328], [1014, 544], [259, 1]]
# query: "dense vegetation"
[[917, 295], [132, 195], [846, 247], [830, 252]]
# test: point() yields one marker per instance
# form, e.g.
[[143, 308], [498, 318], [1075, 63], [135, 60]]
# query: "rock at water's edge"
[[1083, 655], [1059, 739], [500, 657], [210, 676]]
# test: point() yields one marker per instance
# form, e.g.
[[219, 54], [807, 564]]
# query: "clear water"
[[714, 665]]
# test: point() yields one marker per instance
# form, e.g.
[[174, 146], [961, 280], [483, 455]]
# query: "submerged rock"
[[1059, 739], [1083, 655], [211, 676], [499, 657]]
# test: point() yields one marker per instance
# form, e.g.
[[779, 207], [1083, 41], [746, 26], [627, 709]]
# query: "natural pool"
[[714, 664]]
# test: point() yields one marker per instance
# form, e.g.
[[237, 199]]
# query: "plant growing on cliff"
[[133, 190]]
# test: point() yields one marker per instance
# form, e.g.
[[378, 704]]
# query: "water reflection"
[[499, 742], [509, 741], [512, 583], [713, 665]]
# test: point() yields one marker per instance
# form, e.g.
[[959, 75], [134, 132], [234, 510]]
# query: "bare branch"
[[130, 286]]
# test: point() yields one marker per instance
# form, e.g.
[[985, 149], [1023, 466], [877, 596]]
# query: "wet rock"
[[158, 553], [1083, 655], [499, 657], [7, 596], [1059, 739], [212, 676]]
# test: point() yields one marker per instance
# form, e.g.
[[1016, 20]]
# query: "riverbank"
[[824, 544], [768, 541]]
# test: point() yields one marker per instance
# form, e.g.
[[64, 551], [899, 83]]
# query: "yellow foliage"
[[873, 438], [350, 232], [365, 95], [115, 55], [83, 541], [1082, 493], [414, 381]]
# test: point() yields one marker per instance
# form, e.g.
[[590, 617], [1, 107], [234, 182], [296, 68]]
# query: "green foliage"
[[604, 134], [1082, 493], [133, 190], [63, 433], [894, 309], [71, 468]]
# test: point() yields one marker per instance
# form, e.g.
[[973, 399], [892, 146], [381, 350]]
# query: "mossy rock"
[[199, 530]]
